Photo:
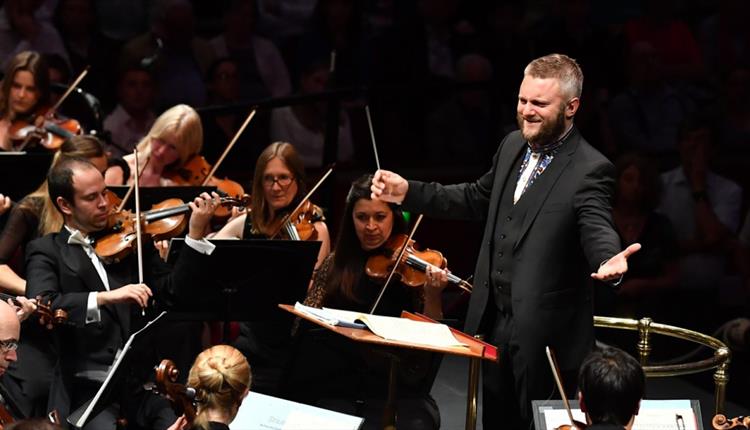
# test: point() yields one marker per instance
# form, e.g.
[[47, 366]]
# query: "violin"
[[47, 316], [196, 171], [165, 220], [413, 263], [46, 129], [182, 397], [5, 417], [720, 422], [299, 224]]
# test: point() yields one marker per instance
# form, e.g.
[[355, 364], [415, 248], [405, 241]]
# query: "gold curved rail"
[[645, 326]]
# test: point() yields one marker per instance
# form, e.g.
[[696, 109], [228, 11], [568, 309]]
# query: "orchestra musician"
[[11, 317], [24, 89], [546, 202], [103, 299], [611, 385], [278, 187], [332, 373], [221, 377], [33, 217], [175, 137]]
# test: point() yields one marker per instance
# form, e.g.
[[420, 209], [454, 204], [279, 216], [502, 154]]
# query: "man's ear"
[[572, 107], [65, 207]]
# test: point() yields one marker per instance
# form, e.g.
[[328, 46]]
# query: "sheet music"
[[653, 415], [262, 412]]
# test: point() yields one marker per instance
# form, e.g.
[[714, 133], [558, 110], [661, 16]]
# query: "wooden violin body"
[[164, 220], [46, 130], [195, 171], [412, 266], [298, 225]]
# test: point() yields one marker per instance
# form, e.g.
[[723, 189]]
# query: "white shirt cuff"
[[203, 246], [92, 309]]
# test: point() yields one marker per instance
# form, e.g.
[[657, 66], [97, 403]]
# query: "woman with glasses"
[[278, 187], [175, 137]]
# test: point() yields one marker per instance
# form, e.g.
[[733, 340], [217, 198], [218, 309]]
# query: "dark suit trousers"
[[509, 388]]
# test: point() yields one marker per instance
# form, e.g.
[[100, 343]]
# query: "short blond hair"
[[182, 125], [561, 67]]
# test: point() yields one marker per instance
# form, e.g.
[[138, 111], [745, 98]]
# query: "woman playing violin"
[[338, 374], [221, 377], [175, 137], [278, 186], [24, 89], [35, 216]]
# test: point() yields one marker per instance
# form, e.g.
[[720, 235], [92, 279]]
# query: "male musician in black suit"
[[104, 301], [546, 203]]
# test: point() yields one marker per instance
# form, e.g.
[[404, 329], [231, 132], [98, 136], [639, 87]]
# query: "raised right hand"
[[388, 187], [131, 293]]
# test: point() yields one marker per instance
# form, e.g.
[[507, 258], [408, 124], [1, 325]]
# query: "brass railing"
[[645, 327]]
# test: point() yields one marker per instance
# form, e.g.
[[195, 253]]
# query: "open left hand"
[[616, 266], [26, 308], [437, 279]]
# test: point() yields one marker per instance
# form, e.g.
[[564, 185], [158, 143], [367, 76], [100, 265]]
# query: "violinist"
[[103, 299], [221, 376], [175, 137], [278, 186], [337, 375], [24, 90], [611, 385]]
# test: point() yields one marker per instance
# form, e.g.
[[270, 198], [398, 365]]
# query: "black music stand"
[[250, 279], [117, 375], [153, 195], [22, 172]]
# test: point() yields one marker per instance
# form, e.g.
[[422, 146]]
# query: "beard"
[[548, 131]]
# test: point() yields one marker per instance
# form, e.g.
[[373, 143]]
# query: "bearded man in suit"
[[546, 203]]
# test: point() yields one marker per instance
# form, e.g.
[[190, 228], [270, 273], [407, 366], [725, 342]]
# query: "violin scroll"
[[721, 422], [182, 397]]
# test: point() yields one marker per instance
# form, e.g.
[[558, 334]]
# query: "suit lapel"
[[539, 191], [508, 156], [75, 258]]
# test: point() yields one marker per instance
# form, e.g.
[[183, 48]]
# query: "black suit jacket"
[[66, 275], [567, 233]]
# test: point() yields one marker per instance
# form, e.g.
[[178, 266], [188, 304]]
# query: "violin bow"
[[372, 135], [132, 186], [395, 266], [302, 202], [67, 92], [558, 382], [138, 240], [229, 147]]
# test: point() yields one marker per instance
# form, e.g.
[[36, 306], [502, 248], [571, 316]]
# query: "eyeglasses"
[[8, 345], [283, 180]]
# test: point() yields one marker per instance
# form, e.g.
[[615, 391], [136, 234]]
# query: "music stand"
[[153, 195], [117, 374], [249, 279], [22, 172]]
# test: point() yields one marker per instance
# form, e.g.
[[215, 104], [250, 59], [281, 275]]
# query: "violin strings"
[[395, 266]]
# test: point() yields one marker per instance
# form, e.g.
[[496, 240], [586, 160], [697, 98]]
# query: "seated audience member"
[[611, 385], [221, 377], [305, 124], [134, 115], [704, 209]]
